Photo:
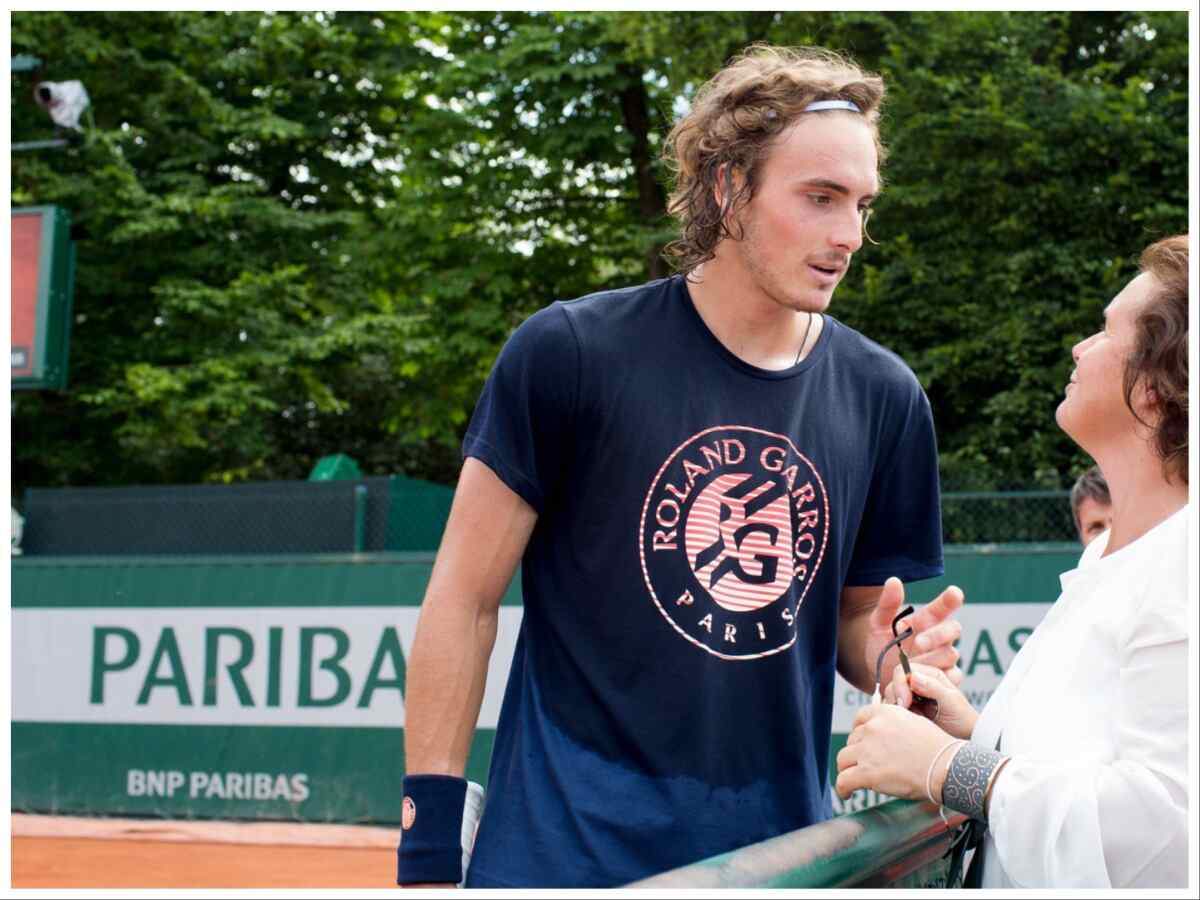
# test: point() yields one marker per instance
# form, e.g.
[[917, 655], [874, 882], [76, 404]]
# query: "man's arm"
[[865, 627], [485, 537]]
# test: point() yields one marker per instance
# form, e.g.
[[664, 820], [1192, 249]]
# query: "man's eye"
[[820, 199]]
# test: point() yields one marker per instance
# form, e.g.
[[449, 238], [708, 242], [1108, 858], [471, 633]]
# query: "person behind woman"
[[1091, 505], [1078, 763]]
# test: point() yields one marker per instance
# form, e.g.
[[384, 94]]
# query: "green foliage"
[[222, 301], [306, 233], [1032, 158]]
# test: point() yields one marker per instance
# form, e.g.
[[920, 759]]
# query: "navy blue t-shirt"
[[672, 685]]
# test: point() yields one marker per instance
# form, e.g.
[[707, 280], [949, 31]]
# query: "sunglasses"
[[925, 706]]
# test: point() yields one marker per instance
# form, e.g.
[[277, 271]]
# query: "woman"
[[1078, 763]]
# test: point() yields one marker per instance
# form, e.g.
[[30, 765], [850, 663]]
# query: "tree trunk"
[[652, 202]]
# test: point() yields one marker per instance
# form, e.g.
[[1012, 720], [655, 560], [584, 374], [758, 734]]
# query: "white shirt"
[[1094, 714]]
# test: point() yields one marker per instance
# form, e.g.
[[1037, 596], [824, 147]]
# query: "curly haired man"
[[714, 490]]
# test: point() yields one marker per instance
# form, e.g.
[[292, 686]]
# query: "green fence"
[[371, 515], [979, 517], [382, 514]]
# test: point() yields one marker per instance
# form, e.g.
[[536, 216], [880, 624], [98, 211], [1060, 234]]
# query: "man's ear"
[[726, 184], [720, 184]]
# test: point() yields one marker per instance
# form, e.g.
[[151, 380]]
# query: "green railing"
[[900, 844]]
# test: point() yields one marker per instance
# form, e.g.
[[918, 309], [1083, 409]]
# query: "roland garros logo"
[[733, 532]]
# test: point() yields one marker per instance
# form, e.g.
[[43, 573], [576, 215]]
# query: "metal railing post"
[[360, 518]]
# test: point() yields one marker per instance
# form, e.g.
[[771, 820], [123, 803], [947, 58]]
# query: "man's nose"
[[847, 235]]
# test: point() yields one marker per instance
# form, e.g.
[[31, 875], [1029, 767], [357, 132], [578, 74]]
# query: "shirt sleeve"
[[901, 530], [522, 424], [1119, 823]]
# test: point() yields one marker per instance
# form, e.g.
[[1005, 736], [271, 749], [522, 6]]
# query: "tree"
[[1032, 156], [306, 233], [1032, 159], [220, 298]]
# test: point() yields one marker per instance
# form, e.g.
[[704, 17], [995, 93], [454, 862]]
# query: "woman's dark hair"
[[1159, 360]]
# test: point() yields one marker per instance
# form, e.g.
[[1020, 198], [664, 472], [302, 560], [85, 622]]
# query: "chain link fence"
[[378, 514], [366, 515], [984, 517]]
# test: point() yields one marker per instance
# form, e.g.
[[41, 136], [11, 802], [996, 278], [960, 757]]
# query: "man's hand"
[[934, 632], [867, 615]]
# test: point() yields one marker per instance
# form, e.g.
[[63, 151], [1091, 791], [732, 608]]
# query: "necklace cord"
[[807, 329]]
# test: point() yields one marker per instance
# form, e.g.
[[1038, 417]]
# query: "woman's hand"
[[890, 750], [955, 715]]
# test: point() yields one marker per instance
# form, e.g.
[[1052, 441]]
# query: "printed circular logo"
[[409, 814], [733, 532]]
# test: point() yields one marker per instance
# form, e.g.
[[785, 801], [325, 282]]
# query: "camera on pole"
[[65, 101]]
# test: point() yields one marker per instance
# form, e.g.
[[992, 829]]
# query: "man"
[[1091, 505], [707, 483]]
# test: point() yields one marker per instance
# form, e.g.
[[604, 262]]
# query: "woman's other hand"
[[955, 715], [890, 750]]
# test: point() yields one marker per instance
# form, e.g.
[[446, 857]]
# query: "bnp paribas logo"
[[733, 531]]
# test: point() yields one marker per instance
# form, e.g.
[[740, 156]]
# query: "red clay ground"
[[68, 852]]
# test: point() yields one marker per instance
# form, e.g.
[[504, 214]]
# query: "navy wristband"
[[430, 848]]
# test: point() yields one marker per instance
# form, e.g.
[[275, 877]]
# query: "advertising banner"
[[274, 688]]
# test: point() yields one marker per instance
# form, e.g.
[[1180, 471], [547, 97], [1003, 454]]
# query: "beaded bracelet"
[[968, 779]]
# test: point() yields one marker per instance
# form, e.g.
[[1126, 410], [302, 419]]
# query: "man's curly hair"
[[1160, 353], [732, 123]]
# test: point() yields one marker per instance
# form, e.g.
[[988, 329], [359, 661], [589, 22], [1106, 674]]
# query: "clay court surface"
[[70, 852]]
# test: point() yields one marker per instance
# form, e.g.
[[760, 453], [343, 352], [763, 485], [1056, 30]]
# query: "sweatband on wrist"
[[967, 779], [430, 848]]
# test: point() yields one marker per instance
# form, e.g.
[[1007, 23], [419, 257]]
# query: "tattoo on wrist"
[[967, 779]]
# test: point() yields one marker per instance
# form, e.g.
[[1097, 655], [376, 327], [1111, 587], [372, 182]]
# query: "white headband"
[[832, 104]]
